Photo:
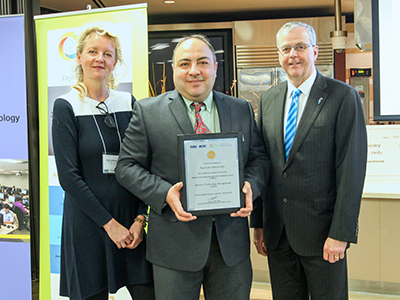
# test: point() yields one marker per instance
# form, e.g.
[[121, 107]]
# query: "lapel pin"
[[320, 100]]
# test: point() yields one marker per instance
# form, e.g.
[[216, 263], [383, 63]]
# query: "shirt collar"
[[305, 87], [208, 102]]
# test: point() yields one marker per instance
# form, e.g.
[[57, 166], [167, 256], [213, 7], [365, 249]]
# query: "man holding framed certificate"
[[218, 173]]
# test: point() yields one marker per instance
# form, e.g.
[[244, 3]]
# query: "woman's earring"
[[112, 80], [80, 74]]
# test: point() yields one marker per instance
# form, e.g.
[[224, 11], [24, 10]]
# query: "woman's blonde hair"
[[84, 36]]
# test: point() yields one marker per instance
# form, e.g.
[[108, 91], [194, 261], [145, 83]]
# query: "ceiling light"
[[339, 36], [169, 1], [12, 161]]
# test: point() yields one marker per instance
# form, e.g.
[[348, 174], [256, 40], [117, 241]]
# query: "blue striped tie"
[[291, 122]]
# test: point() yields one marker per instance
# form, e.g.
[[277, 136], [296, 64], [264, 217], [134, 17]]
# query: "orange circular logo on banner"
[[67, 46], [211, 154]]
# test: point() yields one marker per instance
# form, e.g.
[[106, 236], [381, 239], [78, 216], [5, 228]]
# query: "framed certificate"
[[211, 170]]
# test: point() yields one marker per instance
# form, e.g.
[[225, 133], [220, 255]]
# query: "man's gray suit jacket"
[[316, 193], [148, 167]]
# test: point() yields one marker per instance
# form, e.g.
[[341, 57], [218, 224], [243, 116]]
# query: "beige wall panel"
[[263, 32], [364, 257], [390, 240]]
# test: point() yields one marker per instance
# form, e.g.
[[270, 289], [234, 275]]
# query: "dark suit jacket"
[[316, 193], [148, 167]]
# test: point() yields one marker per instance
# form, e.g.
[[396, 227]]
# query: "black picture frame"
[[214, 182]]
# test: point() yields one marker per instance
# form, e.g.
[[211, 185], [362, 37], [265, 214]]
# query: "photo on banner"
[[56, 44], [14, 176]]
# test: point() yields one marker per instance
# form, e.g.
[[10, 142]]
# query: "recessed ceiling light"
[[169, 1]]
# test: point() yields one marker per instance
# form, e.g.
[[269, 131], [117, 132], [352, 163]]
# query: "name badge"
[[109, 163]]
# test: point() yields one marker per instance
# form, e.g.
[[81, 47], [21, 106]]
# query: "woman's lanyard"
[[109, 160]]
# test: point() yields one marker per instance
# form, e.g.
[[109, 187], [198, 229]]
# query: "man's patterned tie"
[[199, 125]]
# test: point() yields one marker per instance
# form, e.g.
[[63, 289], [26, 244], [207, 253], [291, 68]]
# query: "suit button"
[[284, 174], [285, 200]]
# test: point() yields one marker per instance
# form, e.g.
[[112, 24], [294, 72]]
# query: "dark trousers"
[[219, 281], [298, 277]]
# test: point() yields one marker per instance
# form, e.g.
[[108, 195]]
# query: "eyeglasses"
[[102, 107], [285, 50]]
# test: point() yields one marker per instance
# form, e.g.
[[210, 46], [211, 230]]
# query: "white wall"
[[19, 181]]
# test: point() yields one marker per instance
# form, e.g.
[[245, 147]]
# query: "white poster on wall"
[[383, 164]]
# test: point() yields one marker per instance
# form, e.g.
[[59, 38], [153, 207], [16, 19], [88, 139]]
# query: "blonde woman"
[[103, 244]]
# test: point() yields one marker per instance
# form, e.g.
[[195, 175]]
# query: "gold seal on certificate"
[[211, 170]]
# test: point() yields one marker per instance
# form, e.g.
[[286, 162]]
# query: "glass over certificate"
[[212, 173]]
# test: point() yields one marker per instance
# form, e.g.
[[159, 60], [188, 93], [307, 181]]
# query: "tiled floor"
[[262, 291]]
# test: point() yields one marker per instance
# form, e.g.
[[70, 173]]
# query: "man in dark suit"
[[309, 213], [189, 251]]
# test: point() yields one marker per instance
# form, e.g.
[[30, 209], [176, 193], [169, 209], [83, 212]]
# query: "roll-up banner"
[[14, 193], [57, 36]]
